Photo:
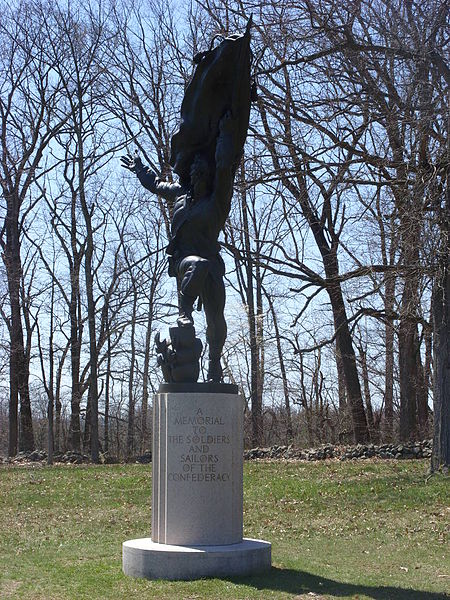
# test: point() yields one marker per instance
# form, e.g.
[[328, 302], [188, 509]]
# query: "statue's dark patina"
[[205, 153]]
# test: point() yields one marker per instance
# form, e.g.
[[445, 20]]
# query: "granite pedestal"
[[197, 478]]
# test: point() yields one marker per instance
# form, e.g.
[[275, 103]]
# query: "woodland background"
[[337, 246]]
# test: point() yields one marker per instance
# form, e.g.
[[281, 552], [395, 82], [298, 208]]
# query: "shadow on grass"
[[301, 582]]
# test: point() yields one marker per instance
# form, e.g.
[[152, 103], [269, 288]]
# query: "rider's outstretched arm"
[[149, 179]]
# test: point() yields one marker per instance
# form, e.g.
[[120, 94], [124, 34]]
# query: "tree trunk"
[[287, 403], [75, 352], [441, 321], [255, 378], [13, 414], [389, 359], [107, 386], [345, 345], [421, 398], [408, 337], [58, 407], [147, 349], [410, 215], [18, 364], [93, 354], [341, 381], [131, 397], [255, 392], [441, 330], [304, 402], [51, 440], [50, 388], [407, 351], [87, 424], [367, 396]]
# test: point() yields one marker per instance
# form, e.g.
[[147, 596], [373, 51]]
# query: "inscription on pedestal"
[[198, 451]]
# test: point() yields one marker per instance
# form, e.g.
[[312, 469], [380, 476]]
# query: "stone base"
[[144, 558], [197, 468]]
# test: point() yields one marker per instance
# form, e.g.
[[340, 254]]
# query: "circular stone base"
[[144, 558]]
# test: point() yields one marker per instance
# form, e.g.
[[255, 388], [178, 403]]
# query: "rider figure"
[[200, 210]]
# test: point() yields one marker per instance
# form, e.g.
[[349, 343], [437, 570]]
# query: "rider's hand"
[[132, 162]]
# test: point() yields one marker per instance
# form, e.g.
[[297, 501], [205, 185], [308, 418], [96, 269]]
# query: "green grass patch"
[[360, 530]]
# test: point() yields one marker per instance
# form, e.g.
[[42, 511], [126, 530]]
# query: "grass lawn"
[[359, 530]]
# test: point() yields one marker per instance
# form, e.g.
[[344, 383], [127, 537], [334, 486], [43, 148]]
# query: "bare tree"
[[79, 45], [245, 239], [29, 98]]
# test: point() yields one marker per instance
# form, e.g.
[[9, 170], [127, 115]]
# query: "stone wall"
[[407, 450]]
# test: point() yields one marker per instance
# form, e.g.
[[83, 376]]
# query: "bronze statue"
[[205, 154]]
